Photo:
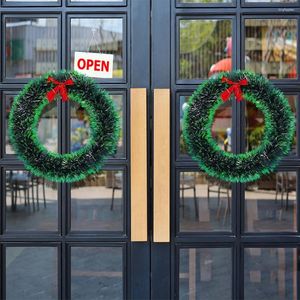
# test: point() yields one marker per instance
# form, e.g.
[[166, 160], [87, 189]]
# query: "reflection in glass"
[[205, 203], [30, 0], [205, 273], [9, 98], [31, 46], [271, 47], [271, 1], [205, 48], [271, 203], [99, 35], [31, 273], [97, 202], [270, 273], [96, 273], [221, 128], [255, 124], [80, 129], [31, 202], [48, 127], [205, 1]]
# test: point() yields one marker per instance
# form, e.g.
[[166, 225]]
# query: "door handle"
[[161, 166], [138, 164]]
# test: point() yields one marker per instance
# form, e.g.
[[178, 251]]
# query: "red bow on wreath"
[[61, 89], [235, 89]]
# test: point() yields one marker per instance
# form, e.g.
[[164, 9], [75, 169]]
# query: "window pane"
[[205, 1], [205, 203], [205, 48], [97, 202], [31, 273], [30, 0], [271, 203], [31, 46], [255, 124], [205, 273], [96, 1], [31, 202], [99, 35], [270, 273], [271, 1], [8, 98], [221, 129], [271, 47], [96, 273], [80, 129], [48, 127]]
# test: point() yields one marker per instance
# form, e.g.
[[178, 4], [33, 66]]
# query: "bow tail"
[[226, 94], [51, 94], [63, 93]]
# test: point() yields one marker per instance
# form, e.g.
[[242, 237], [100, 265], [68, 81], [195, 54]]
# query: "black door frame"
[[164, 28], [136, 256]]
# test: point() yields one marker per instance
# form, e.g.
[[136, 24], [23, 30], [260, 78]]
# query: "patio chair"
[[284, 185], [188, 182], [117, 184]]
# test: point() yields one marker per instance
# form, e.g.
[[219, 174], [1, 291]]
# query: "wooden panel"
[[138, 163], [161, 171]]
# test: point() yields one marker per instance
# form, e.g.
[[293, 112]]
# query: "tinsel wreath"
[[26, 112], [279, 126]]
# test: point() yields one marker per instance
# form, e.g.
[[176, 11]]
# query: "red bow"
[[235, 89], [61, 88]]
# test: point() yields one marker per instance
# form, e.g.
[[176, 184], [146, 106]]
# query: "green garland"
[[249, 166], [26, 112]]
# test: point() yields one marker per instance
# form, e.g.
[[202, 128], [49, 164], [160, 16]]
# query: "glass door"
[[74, 241], [226, 241]]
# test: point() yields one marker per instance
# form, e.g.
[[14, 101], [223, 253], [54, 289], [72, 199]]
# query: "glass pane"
[[271, 47], [271, 203], [31, 202], [270, 273], [30, 0], [80, 128], [205, 1], [9, 98], [96, 273], [48, 127], [96, 1], [255, 124], [221, 129], [271, 1], [205, 48], [98, 201], [31, 273], [205, 273], [205, 203], [31, 46], [99, 35]]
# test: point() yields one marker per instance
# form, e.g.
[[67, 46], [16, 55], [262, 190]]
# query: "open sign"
[[96, 65]]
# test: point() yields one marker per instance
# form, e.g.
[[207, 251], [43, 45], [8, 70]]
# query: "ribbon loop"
[[235, 88], [60, 88]]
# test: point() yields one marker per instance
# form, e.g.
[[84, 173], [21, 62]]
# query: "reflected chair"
[[188, 182], [219, 187], [36, 182], [117, 184], [285, 184], [17, 182]]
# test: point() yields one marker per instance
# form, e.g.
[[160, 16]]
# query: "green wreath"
[[26, 112], [278, 130]]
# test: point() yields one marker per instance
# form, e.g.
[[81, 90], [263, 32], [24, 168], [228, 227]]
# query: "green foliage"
[[23, 128], [277, 136]]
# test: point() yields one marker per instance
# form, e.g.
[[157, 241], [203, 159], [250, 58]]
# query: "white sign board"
[[96, 65]]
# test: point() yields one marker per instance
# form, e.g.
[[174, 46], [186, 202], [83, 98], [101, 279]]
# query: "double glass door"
[[151, 224]]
